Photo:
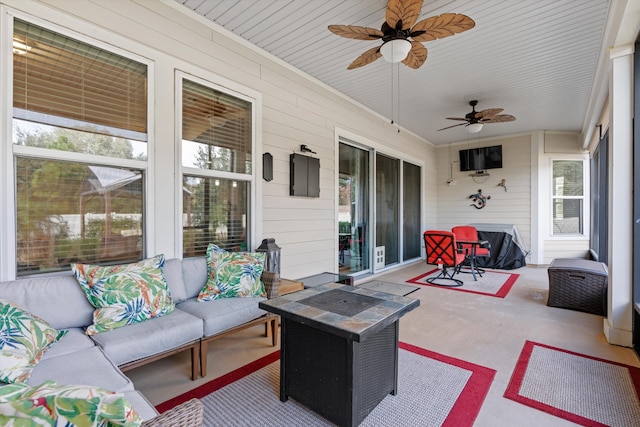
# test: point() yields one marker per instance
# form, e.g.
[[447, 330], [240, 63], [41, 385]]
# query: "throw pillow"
[[233, 274], [125, 294], [23, 340], [64, 405]]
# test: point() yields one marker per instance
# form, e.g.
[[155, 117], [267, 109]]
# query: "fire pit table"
[[339, 348]]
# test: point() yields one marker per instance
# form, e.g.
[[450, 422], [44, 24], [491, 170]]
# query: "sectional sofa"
[[101, 359]]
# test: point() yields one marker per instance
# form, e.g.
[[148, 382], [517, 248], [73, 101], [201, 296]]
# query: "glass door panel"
[[412, 233], [387, 211], [353, 210]]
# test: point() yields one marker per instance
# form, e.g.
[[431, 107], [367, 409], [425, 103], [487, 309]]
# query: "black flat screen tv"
[[477, 159]]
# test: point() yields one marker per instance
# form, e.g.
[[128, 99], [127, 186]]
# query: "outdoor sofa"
[[100, 360]]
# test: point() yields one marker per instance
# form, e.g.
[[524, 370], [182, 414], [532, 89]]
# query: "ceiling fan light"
[[395, 50], [474, 127]]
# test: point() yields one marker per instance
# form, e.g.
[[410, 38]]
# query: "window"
[[217, 160], [568, 197], [72, 97]]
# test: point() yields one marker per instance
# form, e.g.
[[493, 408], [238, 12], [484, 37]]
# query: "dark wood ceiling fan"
[[401, 16], [490, 115]]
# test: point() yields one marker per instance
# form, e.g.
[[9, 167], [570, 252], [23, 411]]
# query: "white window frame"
[[230, 88], [585, 197], [8, 150]]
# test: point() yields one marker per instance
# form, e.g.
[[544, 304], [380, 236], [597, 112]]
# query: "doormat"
[[433, 390], [492, 283], [585, 390]]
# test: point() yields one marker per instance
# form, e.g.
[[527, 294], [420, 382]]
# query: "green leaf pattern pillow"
[[232, 274], [23, 340], [50, 404], [125, 294]]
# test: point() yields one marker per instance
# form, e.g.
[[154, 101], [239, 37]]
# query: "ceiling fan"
[[401, 38], [476, 119]]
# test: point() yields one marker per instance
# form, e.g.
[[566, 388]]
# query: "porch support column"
[[618, 324]]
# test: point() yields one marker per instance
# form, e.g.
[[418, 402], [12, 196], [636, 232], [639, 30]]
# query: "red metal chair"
[[478, 249], [443, 251]]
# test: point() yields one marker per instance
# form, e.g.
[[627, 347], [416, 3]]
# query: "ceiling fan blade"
[[356, 32], [489, 113], [502, 118], [402, 14], [441, 26], [416, 56], [366, 58], [456, 118], [449, 127]]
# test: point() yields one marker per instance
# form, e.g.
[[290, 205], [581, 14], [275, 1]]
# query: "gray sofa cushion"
[[145, 410], [225, 313], [73, 341], [155, 336], [84, 367], [194, 274], [58, 300], [173, 275]]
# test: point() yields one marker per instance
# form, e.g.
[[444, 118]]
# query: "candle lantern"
[[271, 271]]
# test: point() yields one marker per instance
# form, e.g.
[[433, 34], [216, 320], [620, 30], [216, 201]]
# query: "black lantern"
[[272, 260]]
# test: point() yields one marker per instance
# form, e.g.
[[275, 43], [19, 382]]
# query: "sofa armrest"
[[187, 414]]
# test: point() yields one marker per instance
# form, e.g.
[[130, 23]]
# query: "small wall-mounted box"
[[305, 176]]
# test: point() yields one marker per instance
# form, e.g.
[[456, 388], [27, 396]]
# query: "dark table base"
[[340, 379]]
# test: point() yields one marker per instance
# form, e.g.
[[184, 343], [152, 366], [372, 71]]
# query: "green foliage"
[[344, 227]]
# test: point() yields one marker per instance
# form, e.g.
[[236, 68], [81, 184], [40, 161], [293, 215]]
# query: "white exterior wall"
[[505, 207], [292, 109]]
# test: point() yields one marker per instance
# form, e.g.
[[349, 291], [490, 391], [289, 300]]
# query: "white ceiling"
[[536, 59]]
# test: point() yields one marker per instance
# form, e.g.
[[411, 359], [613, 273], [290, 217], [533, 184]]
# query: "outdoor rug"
[[583, 389], [492, 283], [389, 288], [433, 390]]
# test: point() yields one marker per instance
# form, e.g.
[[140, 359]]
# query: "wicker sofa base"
[[578, 284]]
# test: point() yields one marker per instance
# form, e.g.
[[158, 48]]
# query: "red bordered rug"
[[492, 283], [433, 390], [583, 389]]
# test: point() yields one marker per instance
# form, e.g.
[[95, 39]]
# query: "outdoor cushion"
[[172, 270], [74, 340], [232, 274], [89, 367], [58, 300], [23, 340], [222, 314], [194, 275], [124, 294], [142, 406], [68, 405], [148, 338]]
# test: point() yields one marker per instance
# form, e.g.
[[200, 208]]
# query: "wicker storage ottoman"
[[578, 284]]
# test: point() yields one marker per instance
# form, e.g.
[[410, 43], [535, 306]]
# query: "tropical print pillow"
[[125, 294], [50, 404], [23, 340], [233, 274]]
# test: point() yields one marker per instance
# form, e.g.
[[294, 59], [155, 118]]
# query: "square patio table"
[[339, 348]]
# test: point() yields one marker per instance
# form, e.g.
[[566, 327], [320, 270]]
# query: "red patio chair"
[[468, 233], [443, 251]]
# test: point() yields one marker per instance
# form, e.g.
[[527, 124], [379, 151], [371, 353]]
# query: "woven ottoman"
[[578, 284]]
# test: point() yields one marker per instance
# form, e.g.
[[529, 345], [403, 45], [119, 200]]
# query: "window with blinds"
[[63, 82], [217, 144], [568, 197], [216, 129], [70, 96]]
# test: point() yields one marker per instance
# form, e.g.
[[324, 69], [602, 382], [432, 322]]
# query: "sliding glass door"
[[387, 249], [354, 253], [411, 211]]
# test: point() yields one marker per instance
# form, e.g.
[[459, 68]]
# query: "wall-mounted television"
[[477, 159]]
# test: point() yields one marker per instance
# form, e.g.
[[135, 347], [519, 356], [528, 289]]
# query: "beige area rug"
[[492, 283], [389, 288], [433, 390], [585, 390]]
